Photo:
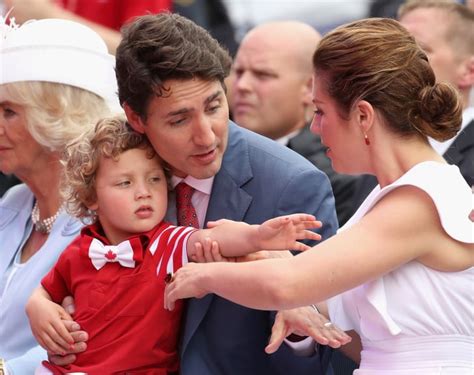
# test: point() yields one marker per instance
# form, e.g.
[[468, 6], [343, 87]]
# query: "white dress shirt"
[[442, 147]]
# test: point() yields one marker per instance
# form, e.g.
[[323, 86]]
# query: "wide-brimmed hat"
[[57, 50]]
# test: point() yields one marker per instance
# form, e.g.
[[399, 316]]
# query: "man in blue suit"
[[171, 75]]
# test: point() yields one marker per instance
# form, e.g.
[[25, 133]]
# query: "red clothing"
[[122, 308], [114, 13]]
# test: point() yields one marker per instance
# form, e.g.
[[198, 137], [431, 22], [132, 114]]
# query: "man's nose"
[[203, 132], [243, 82]]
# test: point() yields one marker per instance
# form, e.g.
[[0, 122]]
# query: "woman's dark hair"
[[377, 60]]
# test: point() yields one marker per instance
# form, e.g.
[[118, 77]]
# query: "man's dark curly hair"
[[156, 48]]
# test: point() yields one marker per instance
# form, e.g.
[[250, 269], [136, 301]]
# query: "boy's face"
[[131, 194]]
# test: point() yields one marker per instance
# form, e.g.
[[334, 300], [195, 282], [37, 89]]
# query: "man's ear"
[[308, 91], [365, 115], [134, 119], [466, 80]]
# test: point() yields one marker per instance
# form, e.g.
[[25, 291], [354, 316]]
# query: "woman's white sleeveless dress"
[[416, 320]]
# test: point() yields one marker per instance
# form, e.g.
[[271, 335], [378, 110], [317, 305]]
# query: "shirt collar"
[[96, 231], [467, 116], [202, 185], [286, 139]]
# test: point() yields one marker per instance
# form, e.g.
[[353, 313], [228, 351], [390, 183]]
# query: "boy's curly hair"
[[110, 137]]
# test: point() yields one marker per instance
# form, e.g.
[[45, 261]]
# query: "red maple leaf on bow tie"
[[110, 255]]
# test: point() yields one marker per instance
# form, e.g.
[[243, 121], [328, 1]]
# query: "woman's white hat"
[[57, 50]]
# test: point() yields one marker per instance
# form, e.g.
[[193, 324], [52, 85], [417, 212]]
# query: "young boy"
[[117, 268]]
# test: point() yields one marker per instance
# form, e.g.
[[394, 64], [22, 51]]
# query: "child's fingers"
[[71, 326], [79, 347], [308, 234], [301, 217], [301, 246], [61, 335], [312, 224]]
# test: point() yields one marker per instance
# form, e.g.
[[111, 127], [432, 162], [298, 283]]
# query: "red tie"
[[185, 212]]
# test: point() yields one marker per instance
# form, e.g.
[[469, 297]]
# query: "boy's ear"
[[134, 119], [93, 206]]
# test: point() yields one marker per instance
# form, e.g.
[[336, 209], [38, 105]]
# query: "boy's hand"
[[80, 338], [48, 326], [283, 232]]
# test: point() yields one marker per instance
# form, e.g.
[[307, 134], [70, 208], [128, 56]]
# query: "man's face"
[[188, 126], [269, 92], [429, 27]]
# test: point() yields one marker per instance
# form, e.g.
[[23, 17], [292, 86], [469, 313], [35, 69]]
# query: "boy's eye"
[[123, 183], [155, 179]]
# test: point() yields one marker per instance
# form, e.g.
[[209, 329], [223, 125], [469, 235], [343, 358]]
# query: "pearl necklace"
[[43, 226]]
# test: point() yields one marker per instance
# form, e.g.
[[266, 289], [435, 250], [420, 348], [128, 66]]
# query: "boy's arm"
[[46, 321], [238, 238]]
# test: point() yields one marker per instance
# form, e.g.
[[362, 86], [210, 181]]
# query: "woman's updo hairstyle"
[[377, 60]]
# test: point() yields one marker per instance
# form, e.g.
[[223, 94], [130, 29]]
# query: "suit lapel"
[[228, 201]]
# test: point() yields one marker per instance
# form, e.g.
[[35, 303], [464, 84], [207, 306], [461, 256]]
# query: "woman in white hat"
[[56, 80]]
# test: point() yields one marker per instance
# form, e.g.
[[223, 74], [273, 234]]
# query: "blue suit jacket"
[[259, 179]]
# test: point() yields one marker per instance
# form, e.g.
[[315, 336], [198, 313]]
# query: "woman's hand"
[[185, 283], [47, 323]]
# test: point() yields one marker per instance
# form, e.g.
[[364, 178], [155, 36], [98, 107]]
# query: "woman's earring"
[[367, 141]]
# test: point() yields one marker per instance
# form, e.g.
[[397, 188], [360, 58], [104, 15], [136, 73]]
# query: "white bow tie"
[[101, 254]]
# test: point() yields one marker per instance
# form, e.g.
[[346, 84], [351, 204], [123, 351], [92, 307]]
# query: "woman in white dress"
[[400, 272]]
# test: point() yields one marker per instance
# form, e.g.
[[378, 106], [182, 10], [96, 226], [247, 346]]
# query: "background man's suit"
[[461, 153], [258, 180]]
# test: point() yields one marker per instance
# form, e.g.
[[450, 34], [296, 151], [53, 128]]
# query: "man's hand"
[[208, 252], [305, 321]]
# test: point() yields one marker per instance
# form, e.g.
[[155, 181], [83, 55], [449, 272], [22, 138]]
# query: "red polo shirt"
[[122, 308]]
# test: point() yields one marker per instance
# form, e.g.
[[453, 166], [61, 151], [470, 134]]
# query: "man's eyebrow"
[[208, 100], [213, 97], [178, 112]]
